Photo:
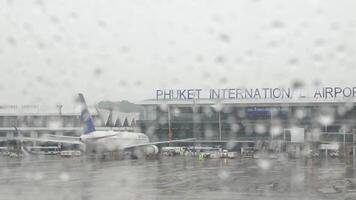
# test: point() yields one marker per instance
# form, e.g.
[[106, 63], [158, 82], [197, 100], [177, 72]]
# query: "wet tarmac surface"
[[174, 178]]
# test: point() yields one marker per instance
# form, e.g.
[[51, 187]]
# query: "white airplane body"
[[103, 141]]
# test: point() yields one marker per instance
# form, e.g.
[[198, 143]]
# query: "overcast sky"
[[116, 49]]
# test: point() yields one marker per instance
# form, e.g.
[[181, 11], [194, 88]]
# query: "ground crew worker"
[[201, 156], [183, 152]]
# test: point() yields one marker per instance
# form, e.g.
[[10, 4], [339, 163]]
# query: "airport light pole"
[[218, 107], [344, 137], [220, 125], [194, 109], [170, 134], [271, 120], [344, 132]]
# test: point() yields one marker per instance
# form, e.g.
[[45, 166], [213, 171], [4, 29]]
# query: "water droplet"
[[208, 133], [40, 79], [102, 24], [125, 49], [334, 26], [341, 48], [293, 61], [297, 84], [11, 40], [223, 175], [206, 75], [299, 114], [41, 45], [317, 57], [264, 164], [273, 43], [278, 24], [73, 15], [138, 83], [199, 58], [325, 120], [223, 80], [224, 38], [276, 130], [235, 127], [123, 83], [54, 19], [218, 107], [163, 120], [260, 129], [230, 145], [319, 42], [38, 176], [64, 176], [163, 107], [97, 72], [220, 59], [298, 178]]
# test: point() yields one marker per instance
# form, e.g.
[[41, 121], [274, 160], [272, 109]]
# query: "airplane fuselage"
[[101, 141]]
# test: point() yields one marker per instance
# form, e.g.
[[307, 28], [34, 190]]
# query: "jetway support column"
[[354, 156], [354, 148]]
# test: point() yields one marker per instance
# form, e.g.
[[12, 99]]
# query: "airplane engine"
[[151, 150]]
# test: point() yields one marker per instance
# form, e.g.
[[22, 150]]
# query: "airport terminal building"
[[323, 114]]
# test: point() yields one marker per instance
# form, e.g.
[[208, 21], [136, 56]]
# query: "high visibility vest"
[[201, 156]]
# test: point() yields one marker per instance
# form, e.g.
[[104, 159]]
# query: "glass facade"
[[236, 122]]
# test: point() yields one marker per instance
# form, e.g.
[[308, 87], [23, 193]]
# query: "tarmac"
[[53, 177]]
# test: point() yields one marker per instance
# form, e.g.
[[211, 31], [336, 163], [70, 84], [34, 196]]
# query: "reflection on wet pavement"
[[175, 178]]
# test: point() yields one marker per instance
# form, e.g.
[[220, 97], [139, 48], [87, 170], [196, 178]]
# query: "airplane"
[[99, 142]]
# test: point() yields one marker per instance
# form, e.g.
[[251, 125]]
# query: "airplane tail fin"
[[85, 117]]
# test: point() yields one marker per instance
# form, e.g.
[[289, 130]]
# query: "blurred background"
[[117, 50]]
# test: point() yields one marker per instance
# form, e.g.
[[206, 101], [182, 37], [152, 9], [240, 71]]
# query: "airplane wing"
[[69, 129], [45, 139], [160, 142]]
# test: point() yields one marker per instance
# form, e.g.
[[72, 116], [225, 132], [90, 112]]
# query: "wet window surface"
[[177, 99]]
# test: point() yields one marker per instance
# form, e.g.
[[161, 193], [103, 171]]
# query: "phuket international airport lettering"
[[254, 93]]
